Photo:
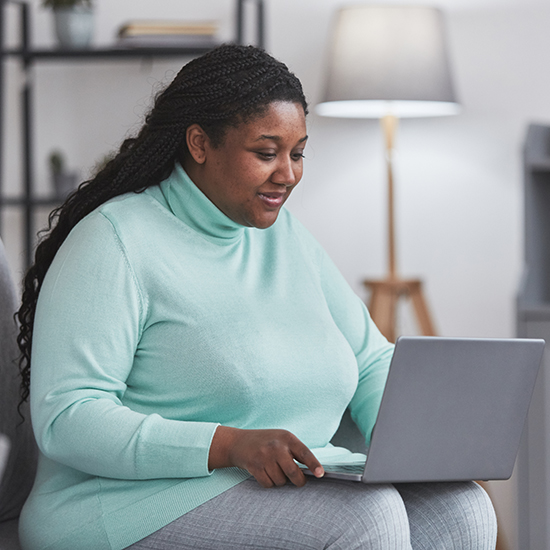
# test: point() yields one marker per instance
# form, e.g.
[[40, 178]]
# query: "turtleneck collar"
[[188, 203]]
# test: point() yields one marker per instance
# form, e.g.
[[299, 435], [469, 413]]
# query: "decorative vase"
[[74, 26]]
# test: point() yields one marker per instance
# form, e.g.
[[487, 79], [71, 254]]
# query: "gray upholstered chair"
[[20, 454]]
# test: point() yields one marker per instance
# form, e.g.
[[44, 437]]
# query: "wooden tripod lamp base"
[[384, 297]]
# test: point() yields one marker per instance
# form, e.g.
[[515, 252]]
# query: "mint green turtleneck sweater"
[[159, 319]]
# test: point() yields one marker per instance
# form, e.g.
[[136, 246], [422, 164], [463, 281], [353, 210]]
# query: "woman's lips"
[[272, 200]]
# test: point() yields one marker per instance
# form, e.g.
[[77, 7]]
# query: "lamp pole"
[[385, 293], [389, 126]]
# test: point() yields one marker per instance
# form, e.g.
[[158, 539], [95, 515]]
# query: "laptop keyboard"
[[357, 468], [345, 468]]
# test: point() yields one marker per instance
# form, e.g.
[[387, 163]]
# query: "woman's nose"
[[284, 174]]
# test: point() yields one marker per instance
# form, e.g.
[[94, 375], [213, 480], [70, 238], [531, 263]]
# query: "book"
[[163, 34], [152, 27]]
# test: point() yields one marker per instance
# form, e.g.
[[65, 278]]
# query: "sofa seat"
[[8, 535]]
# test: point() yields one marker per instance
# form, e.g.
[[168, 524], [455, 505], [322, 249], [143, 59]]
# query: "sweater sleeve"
[[89, 318], [372, 351]]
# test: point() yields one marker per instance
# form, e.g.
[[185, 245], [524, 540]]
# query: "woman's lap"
[[458, 515], [335, 515]]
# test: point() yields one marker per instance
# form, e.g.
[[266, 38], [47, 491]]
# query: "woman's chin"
[[265, 220]]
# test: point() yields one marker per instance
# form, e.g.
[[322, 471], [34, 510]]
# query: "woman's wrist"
[[222, 442]]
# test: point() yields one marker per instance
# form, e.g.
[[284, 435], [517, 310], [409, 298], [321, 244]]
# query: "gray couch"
[[20, 467]]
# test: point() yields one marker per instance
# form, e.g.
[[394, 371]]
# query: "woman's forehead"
[[279, 118]]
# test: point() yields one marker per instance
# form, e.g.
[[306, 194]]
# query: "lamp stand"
[[385, 294]]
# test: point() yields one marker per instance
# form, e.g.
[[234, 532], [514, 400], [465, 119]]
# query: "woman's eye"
[[266, 156], [298, 156]]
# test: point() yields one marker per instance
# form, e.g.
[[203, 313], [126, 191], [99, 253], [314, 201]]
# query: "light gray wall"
[[459, 187]]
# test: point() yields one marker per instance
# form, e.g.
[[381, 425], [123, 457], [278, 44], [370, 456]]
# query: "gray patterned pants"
[[335, 515]]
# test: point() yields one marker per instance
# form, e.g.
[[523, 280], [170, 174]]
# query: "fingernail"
[[319, 472]]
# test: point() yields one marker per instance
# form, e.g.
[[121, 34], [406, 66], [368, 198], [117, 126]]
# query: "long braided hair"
[[223, 88]]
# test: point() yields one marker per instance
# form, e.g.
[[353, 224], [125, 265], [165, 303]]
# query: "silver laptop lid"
[[453, 409]]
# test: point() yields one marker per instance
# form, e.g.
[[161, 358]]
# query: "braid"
[[221, 89]]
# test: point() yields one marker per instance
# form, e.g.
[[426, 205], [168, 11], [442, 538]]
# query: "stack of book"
[[141, 34]]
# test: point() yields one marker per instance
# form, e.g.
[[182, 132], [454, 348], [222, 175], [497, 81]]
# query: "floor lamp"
[[389, 62]]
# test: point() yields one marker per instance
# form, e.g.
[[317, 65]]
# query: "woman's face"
[[251, 175]]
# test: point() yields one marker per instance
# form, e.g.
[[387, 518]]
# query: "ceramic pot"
[[74, 26]]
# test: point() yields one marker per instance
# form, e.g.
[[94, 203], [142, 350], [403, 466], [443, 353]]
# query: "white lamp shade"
[[388, 60]]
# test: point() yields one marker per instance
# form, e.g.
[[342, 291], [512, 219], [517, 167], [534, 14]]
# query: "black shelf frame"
[[28, 56], [103, 53]]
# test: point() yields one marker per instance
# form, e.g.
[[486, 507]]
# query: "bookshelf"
[[28, 57]]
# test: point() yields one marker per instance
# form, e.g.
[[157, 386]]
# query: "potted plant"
[[63, 180], [73, 22]]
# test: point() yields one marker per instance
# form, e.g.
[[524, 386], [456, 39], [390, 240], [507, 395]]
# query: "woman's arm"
[[372, 351], [88, 324]]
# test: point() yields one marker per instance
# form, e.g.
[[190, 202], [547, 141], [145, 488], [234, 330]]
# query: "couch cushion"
[[349, 436], [20, 469], [8, 535]]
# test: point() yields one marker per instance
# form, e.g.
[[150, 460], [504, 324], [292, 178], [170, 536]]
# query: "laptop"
[[453, 409]]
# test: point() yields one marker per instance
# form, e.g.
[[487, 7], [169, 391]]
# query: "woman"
[[189, 333]]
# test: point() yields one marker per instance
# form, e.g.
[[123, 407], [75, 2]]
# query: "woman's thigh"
[[325, 514], [454, 516]]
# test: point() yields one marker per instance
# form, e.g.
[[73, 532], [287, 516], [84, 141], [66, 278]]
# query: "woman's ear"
[[197, 141]]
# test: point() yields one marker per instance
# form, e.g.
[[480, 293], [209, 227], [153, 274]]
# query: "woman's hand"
[[267, 454]]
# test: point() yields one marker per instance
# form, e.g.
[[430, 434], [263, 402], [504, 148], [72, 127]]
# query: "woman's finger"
[[303, 455], [263, 479], [294, 473], [276, 474]]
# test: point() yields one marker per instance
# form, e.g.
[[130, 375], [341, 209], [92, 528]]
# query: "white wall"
[[459, 180]]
